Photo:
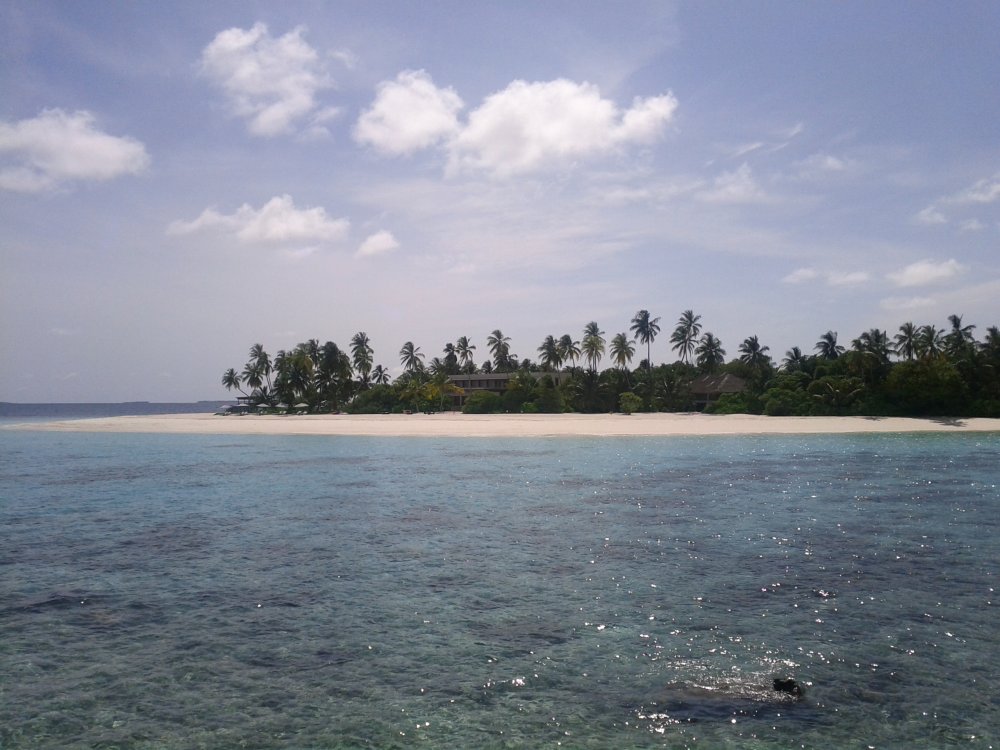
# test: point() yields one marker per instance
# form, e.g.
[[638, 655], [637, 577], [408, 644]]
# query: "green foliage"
[[483, 402], [735, 403], [927, 387], [629, 403], [379, 399]]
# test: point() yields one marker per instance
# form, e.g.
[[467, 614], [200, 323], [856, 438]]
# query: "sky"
[[180, 181]]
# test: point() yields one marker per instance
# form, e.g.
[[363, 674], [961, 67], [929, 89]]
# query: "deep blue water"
[[165, 591]]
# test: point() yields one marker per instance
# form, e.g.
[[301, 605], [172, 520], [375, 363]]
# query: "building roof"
[[717, 384]]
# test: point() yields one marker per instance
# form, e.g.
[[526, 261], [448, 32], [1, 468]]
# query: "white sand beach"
[[452, 424]]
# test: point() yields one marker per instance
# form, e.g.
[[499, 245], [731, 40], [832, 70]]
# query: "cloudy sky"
[[179, 181]]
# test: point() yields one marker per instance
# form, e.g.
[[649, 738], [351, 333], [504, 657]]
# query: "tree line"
[[918, 371]]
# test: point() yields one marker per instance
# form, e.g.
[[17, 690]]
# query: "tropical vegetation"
[[920, 370]]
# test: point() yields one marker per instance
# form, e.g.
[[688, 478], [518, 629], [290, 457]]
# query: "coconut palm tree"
[[875, 344], [550, 355], [569, 350], [622, 350], [499, 346], [685, 335], [253, 376], [645, 330], [411, 358], [710, 353], [380, 376], [230, 379], [593, 344], [450, 359], [905, 342], [465, 350], [929, 342], [827, 346], [263, 362], [753, 354], [362, 355], [794, 360], [959, 338]]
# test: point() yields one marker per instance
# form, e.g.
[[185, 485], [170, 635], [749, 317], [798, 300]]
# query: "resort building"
[[496, 382], [706, 389]]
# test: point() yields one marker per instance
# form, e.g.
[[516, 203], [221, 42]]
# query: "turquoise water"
[[310, 592]]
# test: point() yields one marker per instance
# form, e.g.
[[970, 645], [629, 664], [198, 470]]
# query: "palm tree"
[[960, 337], [905, 342], [753, 354], [710, 353], [450, 359], [362, 355], [794, 360], [263, 362], [569, 350], [593, 344], [500, 349], [875, 344], [380, 376], [231, 380], [685, 335], [551, 356], [991, 344], [827, 346], [253, 376], [411, 358], [929, 342], [437, 367], [645, 331], [464, 351], [622, 350]]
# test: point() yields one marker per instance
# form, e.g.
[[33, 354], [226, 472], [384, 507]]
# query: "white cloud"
[[931, 216], [733, 187], [925, 272], [527, 126], [905, 303], [272, 82], [276, 222], [984, 191], [972, 225], [801, 274], [57, 147], [408, 114], [377, 244], [851, 278]]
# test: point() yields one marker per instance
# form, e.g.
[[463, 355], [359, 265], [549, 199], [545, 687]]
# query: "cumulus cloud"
[[980, 193], [905, 303], [832, 278], [57, 147], [408, 114], [272, 82], [931, 216], [733, 187], [276, 222], [531, 125], [925, 272], [377, 244], [984, 191], [801, 274], [848, 278], [524, 127]]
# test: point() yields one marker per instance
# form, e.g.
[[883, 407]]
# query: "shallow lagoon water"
[[312, 592]]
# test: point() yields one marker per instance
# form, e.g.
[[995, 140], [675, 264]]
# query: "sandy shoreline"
[[506, 425]]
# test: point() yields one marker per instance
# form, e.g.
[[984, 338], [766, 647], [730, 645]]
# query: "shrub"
[[483, 402], [629, 402]]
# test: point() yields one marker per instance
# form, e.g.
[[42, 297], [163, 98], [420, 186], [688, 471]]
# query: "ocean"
[[164, 591]]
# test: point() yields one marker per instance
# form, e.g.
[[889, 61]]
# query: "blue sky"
[[179, 181]]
